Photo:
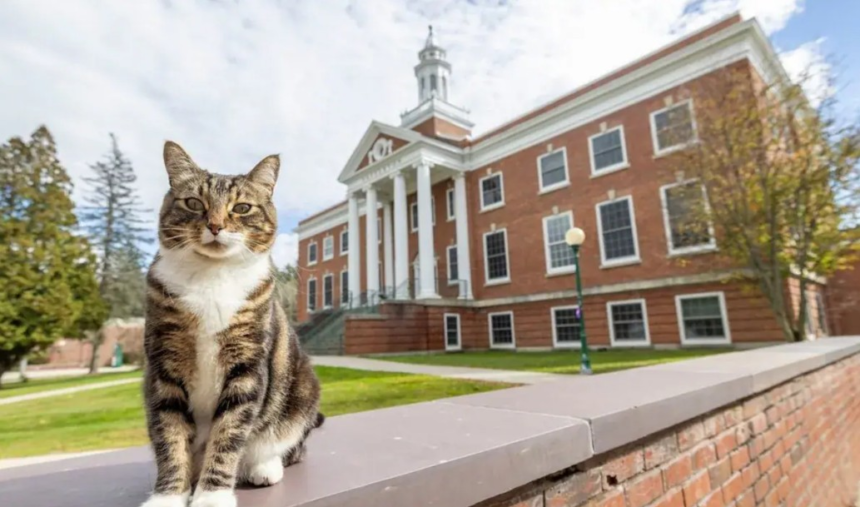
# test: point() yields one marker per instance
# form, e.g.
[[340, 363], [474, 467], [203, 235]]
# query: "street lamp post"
[[574, 238]]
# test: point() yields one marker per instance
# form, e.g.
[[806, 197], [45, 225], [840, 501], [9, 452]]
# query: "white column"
[[372, 244], [426, 254], [387, 249], [354, 259], [401, 238], [464, 266]]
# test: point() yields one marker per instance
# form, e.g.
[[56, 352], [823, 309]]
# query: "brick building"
[[465, 249]]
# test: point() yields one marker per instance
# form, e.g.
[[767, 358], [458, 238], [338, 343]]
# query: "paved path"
[[47, 458], [513, 377], [67, 390], [13, 376]]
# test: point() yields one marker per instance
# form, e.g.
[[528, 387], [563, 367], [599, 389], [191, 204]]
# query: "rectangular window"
[[328, 291], [559, 256], [552, 170], [628, 323], [344, 287], [312, 253], [617, 228], [413, 214], [702, 318], [608, 152], [502, 330], [452, 331], [565, 326], [673, 127], [496, 257], [344, 242], [328, 247], [492, 192], [312, 295], [449, 194], [453, 272], [685, 207]]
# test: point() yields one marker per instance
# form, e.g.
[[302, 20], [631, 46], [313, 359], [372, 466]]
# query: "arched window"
[[444, 88], [433, 85], [422, 84]]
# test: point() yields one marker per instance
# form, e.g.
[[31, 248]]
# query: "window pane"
[[312, 295], [451, 332], [328, 291], [452, 264], [450, 204], [566, 325], [617, 226], [497, 256], [674, 126], [628, 322], [344, 287], [344, 242], [312, 252], [552, 169], [560, 254], [491, 189], [685, 207], [502, 329], [702, 317], [607, 150], [414, 208]]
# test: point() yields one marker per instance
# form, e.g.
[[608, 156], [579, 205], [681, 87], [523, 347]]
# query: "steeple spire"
[[433, 71], [431, 41]]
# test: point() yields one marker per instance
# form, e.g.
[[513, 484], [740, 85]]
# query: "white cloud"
[[234, 82], [808, 65], [286, 249]]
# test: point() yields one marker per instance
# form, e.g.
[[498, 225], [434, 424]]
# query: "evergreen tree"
[[113, 220], [48, 272]]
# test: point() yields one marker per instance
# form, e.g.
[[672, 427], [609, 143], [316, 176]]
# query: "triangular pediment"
[[378, 143]]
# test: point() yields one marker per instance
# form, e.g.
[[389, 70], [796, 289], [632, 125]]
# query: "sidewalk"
[[67, 390], [457, 372], [13, 376]]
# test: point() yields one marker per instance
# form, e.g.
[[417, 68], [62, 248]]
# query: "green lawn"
[[37, 385], [555, 361], [113, 417]]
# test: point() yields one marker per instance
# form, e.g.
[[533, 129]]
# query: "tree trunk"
[[22, 369], [96, 340]]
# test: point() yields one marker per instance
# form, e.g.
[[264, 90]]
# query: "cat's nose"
[[215, 228]]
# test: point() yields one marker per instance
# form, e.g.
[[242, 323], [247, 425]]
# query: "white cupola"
[[433, 72]]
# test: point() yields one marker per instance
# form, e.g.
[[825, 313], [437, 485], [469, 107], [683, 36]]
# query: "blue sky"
[[235, 81]]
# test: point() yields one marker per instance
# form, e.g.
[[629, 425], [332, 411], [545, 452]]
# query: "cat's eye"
[[241, 208], [194, 204]]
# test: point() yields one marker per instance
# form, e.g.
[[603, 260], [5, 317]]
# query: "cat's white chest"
[[213, 292]]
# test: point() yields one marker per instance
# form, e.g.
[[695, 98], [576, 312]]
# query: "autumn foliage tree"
[[781, 179], [47, 273]]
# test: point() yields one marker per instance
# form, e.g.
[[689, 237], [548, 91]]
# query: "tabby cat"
[[230, 396]]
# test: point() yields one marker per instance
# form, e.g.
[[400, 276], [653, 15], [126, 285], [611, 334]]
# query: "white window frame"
[[624, 164], [665, 151], [413, 212], [450, 205], [331, 277], [344, 245], [308, 295], [451, 281], [623, 343], [555, 343], [459, 345], [496, 281], [513, 343], [701, 341], [547, 258], [344, 271], [328, 239], [497, 205], [317, 256], [555, 186], [667, 227], [622, 261]]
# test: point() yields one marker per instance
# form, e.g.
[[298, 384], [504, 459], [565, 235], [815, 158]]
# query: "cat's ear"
[[179, 165], [266, 172]]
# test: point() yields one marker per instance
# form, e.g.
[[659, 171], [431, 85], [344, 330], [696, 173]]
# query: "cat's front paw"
[[217, 498], [159, 500], [266, 473]]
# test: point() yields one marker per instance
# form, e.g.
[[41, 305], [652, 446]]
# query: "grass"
[[602, 361], [49, 384], [113, 417]]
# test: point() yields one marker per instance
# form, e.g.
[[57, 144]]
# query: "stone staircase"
[[323, 333]]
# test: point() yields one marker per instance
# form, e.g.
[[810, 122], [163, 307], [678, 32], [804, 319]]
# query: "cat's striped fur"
[[230, 396]]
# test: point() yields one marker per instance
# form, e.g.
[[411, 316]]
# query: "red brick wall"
[[843, 299], [796, 445], [750, 321]]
